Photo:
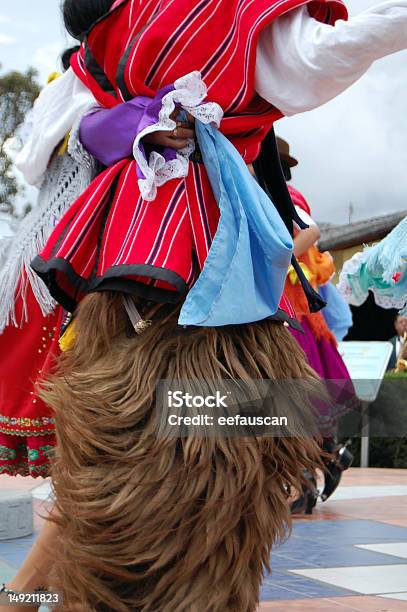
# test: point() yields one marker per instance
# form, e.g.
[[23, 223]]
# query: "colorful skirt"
[[112, 239], [320, 348], [27, 425]]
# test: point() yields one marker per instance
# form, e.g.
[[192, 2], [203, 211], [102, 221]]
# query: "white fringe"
[[66, 178]]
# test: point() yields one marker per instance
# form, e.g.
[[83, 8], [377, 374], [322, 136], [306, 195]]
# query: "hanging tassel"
[[315, 301], [138, 323]]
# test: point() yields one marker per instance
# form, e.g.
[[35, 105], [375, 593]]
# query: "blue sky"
[[351, 150]]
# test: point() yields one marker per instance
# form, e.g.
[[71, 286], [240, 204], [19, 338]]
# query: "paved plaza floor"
[[351, 554]]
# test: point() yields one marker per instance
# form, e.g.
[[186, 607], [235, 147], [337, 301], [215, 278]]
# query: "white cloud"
[[46, 59], [352, 150], [7, 40], [4, 19]]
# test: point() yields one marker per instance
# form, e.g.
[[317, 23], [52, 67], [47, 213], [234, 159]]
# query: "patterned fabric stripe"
[[264, 19], [110, 222], [83, 263], [285, 305], [154, 244], [202, 25], [80, 62], [160, 244], [173, 240], [99, 190], [134, 29], [21, 424], [203, 211], [211, 64], [189, 194], [26, 453], [328, 15], [131, 45], [140, 211], [202, 208], [91, 225], [108, 204], [234, 48], [136, 213], [132, 53], [90, 265], [192, 274], [203, 220], [137, 29], [181, 30]]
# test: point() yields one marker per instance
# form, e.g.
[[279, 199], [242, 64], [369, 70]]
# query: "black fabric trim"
[[283, 317], [111, 281], [271, 179], [121, 68], [47, 271], [90, 61], [97, 71], [141, 290], [116, 273], [114, 281], [315, 301]]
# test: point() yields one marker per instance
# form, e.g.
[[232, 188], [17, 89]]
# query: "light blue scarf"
[[244, 274], [337, 314]]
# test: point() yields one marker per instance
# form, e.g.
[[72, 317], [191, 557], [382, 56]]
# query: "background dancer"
[[317, 341], [30, 319]]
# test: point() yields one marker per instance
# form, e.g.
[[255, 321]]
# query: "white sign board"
[[366, 363]]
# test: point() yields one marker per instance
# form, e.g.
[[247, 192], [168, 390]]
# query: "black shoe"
[[342, 461], [308, 499]]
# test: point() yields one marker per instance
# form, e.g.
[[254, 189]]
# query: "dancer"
[[336, 313], [380, 269], [207, 509], [29, 318], [317, 341]]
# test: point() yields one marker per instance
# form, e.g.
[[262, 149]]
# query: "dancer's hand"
[[176, 139]]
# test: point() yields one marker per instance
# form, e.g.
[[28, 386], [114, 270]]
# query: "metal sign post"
[[366, 363], [364, 443]]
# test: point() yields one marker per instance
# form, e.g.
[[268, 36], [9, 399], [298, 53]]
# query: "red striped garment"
[[112, 239]]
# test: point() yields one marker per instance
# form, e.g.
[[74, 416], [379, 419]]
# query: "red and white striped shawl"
[[144, 45]]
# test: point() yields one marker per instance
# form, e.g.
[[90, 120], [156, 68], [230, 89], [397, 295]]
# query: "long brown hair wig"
[[166, 524]]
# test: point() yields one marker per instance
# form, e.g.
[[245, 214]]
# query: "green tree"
[[18, 90]]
